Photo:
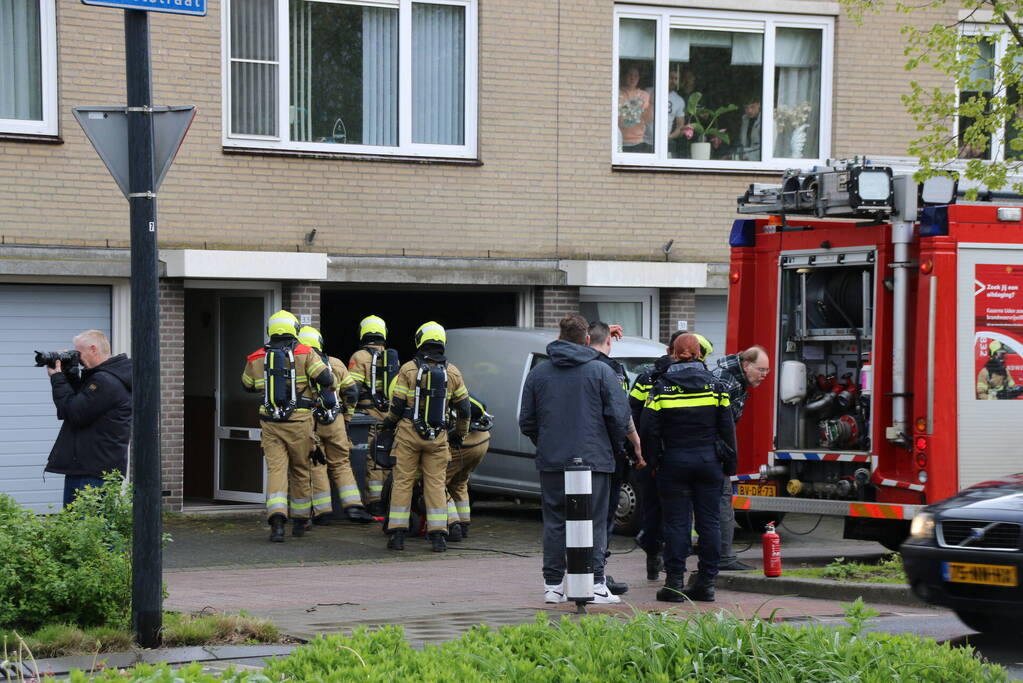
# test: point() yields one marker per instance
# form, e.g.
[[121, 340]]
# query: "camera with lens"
[[69, 360]]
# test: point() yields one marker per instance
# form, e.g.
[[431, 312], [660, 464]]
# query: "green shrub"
[[73, 566], [180, 630], [648, 647]]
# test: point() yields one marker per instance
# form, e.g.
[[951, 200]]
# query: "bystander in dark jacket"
[[95, 410]]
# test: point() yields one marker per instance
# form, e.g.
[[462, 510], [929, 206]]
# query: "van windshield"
[[633, 366]]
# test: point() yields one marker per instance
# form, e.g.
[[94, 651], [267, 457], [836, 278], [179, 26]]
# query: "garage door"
[[45, 318], [712, 323]]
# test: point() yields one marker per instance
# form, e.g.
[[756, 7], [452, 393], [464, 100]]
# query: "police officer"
[[282, 370], [466, 455], [373, 367], [333, 438], [420, 398]]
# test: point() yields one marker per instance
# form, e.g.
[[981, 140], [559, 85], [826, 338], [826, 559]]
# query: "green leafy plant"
[[73, 566], [702, 122]]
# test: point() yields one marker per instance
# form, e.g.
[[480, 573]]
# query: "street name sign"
[[193, 7]]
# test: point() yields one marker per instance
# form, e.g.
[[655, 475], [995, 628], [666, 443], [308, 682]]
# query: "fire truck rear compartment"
[[825, 335]]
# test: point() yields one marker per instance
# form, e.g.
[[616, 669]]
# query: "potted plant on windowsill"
[[702, 125]]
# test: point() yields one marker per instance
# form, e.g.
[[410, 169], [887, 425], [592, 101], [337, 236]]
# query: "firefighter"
[[996, 352], [282, 370], [466, 454], [373, 367], [424, 390], [333, 440]]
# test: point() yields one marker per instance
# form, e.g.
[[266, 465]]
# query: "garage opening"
[[405, 310]]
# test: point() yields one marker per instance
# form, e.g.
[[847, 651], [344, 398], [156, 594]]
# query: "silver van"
[[495, 362]]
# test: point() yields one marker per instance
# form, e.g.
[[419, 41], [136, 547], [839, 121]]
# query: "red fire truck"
[[894, 323]]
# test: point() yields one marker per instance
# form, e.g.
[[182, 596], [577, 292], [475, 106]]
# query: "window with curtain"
[[324, 75], [727, 89], [27, 67], [986, 90]]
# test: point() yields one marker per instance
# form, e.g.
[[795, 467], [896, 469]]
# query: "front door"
[[239, 470]]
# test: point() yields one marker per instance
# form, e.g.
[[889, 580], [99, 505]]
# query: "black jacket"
[[644, 383], [96, 414], [688, 409], [573, 407]]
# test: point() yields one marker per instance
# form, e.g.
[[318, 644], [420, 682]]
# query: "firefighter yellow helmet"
[[310, 336], [372, 324], [282, 322], [430, 332], [994, 347], [706, 348]]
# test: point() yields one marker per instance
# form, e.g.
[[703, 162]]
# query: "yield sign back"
[[107, 130]]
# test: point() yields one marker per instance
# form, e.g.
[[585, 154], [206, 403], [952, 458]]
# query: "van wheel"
[[628, 518]]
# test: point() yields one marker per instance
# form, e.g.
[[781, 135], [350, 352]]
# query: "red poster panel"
[[998, 331]]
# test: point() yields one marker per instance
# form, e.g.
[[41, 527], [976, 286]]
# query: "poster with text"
[[998, 331]]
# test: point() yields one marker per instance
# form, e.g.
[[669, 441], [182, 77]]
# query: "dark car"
[[966, 553]]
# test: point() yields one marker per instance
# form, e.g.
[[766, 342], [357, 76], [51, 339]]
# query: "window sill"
[[32, 137], [347, 156], [631, 168]]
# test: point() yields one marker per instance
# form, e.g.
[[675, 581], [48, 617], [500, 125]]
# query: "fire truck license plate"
[[770, 489], [987, 574]]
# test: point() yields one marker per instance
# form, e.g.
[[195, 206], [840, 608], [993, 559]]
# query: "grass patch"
[[887, 570], [179, 630]]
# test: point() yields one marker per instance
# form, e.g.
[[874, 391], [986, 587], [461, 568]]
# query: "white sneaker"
[[601, 595], [554, 594]]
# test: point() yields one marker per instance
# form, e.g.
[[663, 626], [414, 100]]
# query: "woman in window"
[[634, 112]]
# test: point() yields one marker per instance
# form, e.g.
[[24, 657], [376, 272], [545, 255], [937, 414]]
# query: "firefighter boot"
[[397, 540], [465, 529], [439, 541], [672, 591], [357, 513], [376, 508], [700, 588], [277, 529], [322, 520], [299, 527], [455, 533], [654, 566]]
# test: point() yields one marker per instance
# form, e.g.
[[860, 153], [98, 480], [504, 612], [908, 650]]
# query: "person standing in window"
[[634, 112], [749, 132], [676, 111]]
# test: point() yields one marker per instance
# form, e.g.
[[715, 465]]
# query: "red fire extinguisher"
[[772, 551]]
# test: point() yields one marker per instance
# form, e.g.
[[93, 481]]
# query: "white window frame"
[[998, 136], [648, 297], [677, 17], [48, 70], [405, 146]]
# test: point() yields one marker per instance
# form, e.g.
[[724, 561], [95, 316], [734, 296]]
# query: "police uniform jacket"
[[688, 412], [96, 414], [644, 383]]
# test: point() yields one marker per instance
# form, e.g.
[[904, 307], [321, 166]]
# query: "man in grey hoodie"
[[573, 407]]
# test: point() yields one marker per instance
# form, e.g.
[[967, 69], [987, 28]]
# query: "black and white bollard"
[[579, 534]]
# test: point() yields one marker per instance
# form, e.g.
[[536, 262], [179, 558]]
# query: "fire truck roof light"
[[743, 233], [934, 221], [939, 189], [1011, 214]]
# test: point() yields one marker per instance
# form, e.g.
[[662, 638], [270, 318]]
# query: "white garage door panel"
[[44, 318], [712, 323]]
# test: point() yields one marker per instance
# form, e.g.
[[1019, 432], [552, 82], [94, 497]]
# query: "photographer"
[[96, 412]]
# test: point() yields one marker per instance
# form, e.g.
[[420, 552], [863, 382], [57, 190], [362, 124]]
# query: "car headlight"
[[922, 526]]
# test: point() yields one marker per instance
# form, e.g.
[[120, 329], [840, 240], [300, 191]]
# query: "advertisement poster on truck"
[[998, 331]]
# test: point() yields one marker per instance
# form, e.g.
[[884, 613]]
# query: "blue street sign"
[[194, 7]]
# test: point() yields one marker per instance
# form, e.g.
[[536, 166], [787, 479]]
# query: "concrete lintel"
[[218, 264], [634, 274], [445, 271], [65, 261], [717, 275]]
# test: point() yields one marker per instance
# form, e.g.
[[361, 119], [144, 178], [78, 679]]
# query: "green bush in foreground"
[[648, 647], [73, 566]]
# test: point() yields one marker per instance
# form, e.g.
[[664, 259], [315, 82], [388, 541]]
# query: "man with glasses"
[[739, 372]]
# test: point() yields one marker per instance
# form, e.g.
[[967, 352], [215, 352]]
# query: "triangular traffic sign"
[[107, 130]]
